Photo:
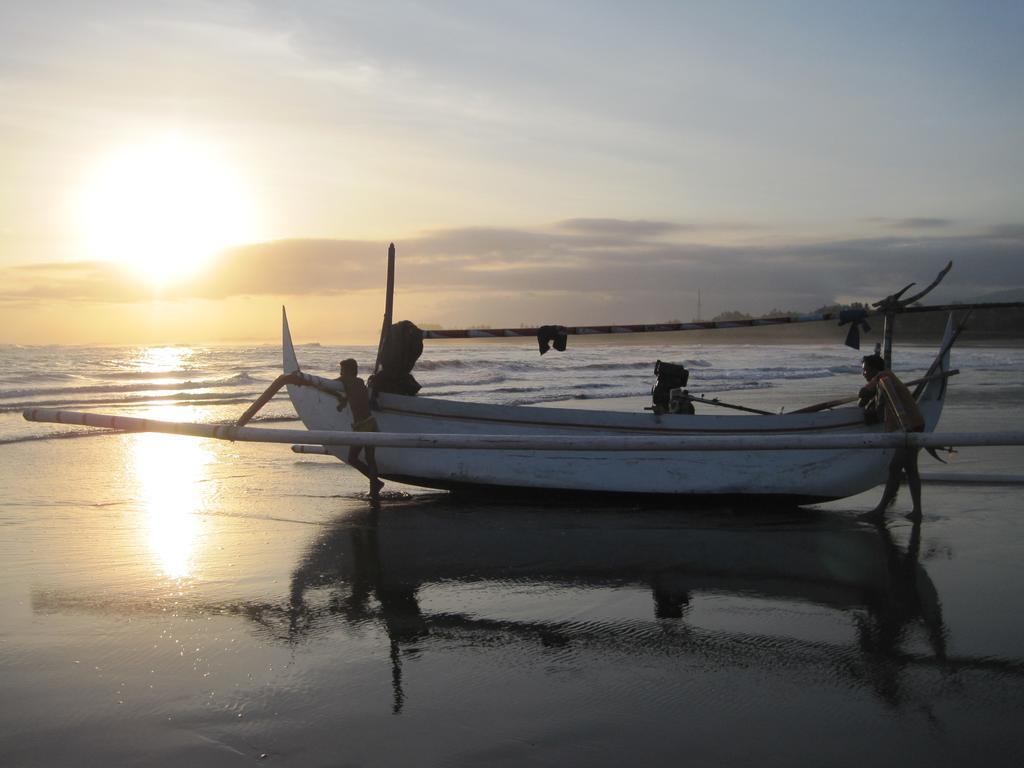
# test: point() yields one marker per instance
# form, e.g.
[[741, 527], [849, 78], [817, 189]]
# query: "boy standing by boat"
[[358, 400], [893, 402]]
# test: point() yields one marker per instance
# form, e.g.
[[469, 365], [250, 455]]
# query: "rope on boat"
[[853, 398], [297, 378]]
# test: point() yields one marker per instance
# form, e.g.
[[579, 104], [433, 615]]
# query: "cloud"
[[625, 276], [1008, 231], [914, 222], [70, 281], [620, 227]]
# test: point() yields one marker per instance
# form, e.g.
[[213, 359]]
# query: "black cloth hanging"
[[548, 335], [857, 318]]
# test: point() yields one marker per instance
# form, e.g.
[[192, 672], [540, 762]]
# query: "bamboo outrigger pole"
[[888, 308], [700, 442], [706, 325]]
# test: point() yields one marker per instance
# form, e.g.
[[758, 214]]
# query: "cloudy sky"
[[175, 171]]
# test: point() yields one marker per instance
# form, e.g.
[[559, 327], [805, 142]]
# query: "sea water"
[[165, 599]]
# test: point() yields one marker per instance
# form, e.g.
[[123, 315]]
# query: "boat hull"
[[800, 476]]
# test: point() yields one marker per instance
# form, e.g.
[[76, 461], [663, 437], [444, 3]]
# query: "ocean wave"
[[735, 385], [638, 365], [489, 364], [434, 365], [990, 366], [642, 365], [59, 436], [786, 374], [466, 382], [231, 381], [128, 374], [16, 376]]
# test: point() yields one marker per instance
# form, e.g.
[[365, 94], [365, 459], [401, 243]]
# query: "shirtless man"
[[896, 405], [357, 398]]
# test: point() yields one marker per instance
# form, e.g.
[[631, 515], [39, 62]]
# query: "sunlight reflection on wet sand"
[[170, 473]]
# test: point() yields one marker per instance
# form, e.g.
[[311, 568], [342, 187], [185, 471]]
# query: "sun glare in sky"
[[163, 208]]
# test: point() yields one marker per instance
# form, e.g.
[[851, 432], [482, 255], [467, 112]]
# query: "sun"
[[163, 208]]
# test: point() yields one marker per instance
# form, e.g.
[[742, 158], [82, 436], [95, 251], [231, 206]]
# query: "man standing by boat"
[[891, 401], [358, 400]]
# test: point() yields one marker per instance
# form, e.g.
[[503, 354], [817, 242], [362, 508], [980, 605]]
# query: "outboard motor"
[[669, 394]]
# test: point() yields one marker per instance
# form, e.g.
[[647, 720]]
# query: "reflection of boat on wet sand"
[[817, 600], [382, 570]]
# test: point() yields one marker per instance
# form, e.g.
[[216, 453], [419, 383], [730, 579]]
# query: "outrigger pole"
[[589, 330], [704, 442], [707, 325], [888, 307]]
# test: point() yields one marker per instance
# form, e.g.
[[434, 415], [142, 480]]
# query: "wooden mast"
[[389, 303]]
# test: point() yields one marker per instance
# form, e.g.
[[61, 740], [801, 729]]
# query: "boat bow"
[[291, 363]]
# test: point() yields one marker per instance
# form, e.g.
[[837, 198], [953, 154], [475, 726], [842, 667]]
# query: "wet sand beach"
[[503, 209], [166, 600]]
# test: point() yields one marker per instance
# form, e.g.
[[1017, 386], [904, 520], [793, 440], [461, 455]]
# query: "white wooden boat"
[[801, 476]]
